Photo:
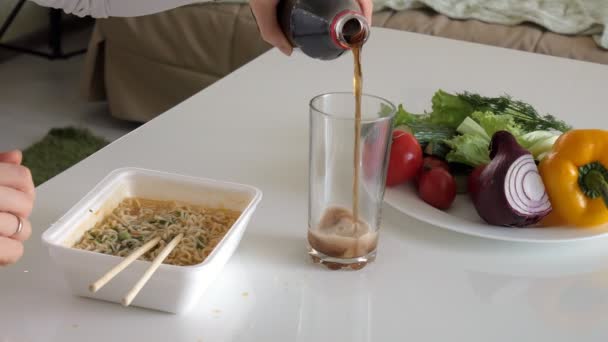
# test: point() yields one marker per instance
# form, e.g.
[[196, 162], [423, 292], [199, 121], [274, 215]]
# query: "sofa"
[[145, 65]]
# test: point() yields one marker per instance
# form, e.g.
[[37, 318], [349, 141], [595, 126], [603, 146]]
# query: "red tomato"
[[473, 181], [405, 159], [429, 163], [437, 187]]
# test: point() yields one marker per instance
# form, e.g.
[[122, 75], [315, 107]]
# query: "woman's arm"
[[115, 8]]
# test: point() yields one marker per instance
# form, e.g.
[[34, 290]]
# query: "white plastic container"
[[171, 288]]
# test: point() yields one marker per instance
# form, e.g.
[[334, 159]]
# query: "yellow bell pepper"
[[575, 175]]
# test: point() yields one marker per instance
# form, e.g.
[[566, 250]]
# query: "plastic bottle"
[[322, 29]]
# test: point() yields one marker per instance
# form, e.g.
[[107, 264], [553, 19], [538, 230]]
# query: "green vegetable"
[[471, 127], [426, 132], [403, 117], [468, 149], [482, 125], [524, 114], [477, 118], [472, 147], [539, 143], [543, 147], [123, 235], [437, 148], [529, 139], [449, 110], [493, 123], [421, 127]]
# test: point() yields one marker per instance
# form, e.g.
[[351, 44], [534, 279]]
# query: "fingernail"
[[286, 50]]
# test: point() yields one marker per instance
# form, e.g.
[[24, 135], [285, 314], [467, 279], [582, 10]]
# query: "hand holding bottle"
[[265, 12]]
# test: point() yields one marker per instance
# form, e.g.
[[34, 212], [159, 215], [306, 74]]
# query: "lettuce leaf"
[[403, 117], [449, 110], [471, 127], [477, 118], [493, 123], [472, 146], [468, 149], [530, 139]]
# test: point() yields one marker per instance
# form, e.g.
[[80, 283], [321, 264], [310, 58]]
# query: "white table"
[[428, 284]]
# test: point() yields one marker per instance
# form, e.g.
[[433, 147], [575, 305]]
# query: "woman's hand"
[[265, 12], [367, 7], [16, 203]]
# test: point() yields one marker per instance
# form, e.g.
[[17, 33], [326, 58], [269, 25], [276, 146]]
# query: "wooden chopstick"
[[155, 264], [123, 264]]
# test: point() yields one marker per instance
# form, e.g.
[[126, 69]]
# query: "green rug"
[[60, 149]]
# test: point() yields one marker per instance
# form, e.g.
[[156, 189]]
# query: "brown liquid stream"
[[358, 85]]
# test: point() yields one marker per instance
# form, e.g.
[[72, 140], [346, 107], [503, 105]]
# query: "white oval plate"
[[462, 217]]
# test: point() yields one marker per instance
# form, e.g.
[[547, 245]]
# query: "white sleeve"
[[114, 8]]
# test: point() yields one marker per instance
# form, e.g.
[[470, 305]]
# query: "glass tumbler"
[[347, 178]]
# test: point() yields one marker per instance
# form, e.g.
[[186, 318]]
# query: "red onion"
[[511, 190]]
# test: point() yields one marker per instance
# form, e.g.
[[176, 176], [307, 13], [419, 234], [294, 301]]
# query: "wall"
[[31, 19]]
